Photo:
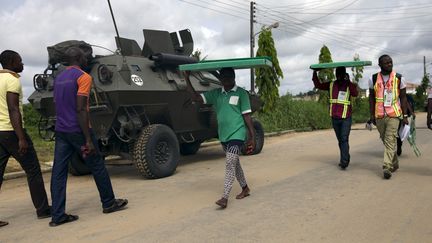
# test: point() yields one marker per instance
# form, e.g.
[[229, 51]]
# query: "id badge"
[[342, 95], [388, 98], [233, 100]]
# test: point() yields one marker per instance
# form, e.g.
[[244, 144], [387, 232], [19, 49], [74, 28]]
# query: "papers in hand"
[[404, 132]]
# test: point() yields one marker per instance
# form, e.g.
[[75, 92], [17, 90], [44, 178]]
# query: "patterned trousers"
[[233, 168]]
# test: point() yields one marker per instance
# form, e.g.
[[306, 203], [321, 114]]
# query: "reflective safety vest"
[[338, 98], [387, 96]]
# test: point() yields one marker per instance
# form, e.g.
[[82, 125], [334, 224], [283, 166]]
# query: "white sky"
[[220, 28]]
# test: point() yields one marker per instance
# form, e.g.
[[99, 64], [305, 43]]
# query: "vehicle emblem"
[[137, 80]]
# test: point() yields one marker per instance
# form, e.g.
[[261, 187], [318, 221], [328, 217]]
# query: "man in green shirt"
[[233, 111]]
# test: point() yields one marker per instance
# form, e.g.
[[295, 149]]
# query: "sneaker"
[[117, 205], [387, 174], [45, 214]]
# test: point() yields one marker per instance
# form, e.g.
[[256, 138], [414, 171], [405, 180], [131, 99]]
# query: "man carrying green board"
[[233, 111], [340, 92]]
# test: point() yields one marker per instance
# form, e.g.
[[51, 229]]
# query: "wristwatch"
[[405, 115]]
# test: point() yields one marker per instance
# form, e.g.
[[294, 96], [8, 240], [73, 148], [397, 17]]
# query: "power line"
[[216, 10], [344, 7], [373, 9], [396, 19], [236, 7], [333, 36]]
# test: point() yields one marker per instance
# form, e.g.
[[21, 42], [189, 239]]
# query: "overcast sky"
[[221, 29]]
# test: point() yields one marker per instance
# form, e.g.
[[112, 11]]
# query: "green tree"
[[267, 79], [420, 95], [325, 75], [357, 72]]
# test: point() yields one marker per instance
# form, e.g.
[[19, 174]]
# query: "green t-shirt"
[[230, 107]]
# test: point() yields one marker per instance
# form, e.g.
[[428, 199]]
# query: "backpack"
[[398, 75]]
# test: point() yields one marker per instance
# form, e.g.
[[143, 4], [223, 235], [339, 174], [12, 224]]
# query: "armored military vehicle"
[[139, 108]]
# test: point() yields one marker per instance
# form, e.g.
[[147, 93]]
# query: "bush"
[[292, 114], [31, 116], [361, 111]]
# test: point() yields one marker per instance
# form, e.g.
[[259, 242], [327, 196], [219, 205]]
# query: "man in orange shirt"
[[74, 135]]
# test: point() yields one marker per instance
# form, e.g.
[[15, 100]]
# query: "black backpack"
[[398, 75]]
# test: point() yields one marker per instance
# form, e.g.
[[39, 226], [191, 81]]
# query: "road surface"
[[298, 194]]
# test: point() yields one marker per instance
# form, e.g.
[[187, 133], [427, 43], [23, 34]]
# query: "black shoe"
[[67, 218], [343, 166], [3, 223], [45, 214], [395, 168], [116, 206], [387, 174]]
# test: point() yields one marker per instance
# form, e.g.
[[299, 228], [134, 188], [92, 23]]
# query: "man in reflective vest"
[[340, 93], [388, 105]]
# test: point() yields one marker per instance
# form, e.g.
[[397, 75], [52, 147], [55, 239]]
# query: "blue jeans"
[[342, 128], [65, 145]]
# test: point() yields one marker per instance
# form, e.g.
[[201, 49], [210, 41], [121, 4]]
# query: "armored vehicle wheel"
[[190, 148], [156, 151], [259, 138], [77, 166]]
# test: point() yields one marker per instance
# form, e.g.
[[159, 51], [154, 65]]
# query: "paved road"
[[298, 195]]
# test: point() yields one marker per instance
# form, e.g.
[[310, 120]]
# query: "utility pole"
[[252, 44], [424, 66]]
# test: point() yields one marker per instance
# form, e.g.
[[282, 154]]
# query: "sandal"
[[244, 193], [223, 202], [67, 218]]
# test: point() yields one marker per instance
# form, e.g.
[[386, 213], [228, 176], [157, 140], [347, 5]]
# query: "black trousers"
[[30, 164]]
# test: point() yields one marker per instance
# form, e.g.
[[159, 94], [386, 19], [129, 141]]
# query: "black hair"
[[7, 57], [382, 57], [227, 73], [338, 69], [73, 54]]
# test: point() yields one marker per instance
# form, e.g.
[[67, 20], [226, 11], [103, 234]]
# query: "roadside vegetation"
[[288, 114]]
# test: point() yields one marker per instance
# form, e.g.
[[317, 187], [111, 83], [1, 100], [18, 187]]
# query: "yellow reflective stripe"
[[330, 99], [395, 104], [347, 101], [336, 101]]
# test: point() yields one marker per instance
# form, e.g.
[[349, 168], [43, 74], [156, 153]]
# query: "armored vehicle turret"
[[139, 107]]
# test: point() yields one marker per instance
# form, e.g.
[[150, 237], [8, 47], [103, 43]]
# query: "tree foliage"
[[325, 75], [421, 94], [267, 79], [357, 72]]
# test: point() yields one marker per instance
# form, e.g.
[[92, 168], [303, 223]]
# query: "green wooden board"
[[236, 63], [340, 64]]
